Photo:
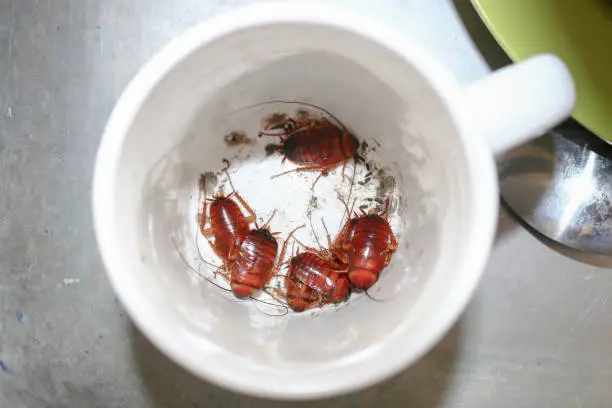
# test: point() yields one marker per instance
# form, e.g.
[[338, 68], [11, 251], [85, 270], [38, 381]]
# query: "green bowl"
[[578, 31]]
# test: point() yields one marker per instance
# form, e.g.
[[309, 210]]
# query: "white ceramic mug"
[[440, 139]]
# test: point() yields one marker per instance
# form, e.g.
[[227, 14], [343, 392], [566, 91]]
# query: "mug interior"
[[178, 133]]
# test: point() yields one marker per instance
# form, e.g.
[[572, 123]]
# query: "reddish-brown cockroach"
[[228, 225], [320, 274], [365, 244], [216, 269], [315, 145], [315, 278], [256, 261]]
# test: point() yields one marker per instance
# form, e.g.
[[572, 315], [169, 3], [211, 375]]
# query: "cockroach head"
[[265, 231]]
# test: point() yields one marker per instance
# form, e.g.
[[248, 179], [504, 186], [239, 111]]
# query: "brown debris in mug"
[[274, 121], [236, 138]]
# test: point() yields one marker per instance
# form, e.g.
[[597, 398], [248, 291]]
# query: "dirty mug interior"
[[169, 127]]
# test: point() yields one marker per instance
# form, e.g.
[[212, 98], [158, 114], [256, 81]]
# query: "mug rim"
[[172, 55]]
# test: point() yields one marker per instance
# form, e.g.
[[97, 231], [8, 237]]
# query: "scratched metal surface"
[[537, 334]]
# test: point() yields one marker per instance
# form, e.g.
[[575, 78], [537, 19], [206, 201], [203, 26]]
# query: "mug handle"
[[521, 101]]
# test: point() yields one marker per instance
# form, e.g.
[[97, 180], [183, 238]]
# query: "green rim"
[[578, 31]]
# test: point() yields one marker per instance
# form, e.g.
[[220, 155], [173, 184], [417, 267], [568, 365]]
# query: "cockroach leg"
[[284, 247], [203, 228], [393, 245], [267, 224], [222, 272], [316, 167], [315, 251], [388, 258], [324, 171], [281, 135], [314, 233], [343, 168], [336, 254], [327, 255], [207, 232], [252, 217], [329, 241], [277, 292]]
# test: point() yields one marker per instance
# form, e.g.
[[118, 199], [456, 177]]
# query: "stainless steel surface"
[[561, 185], [537, 333]]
